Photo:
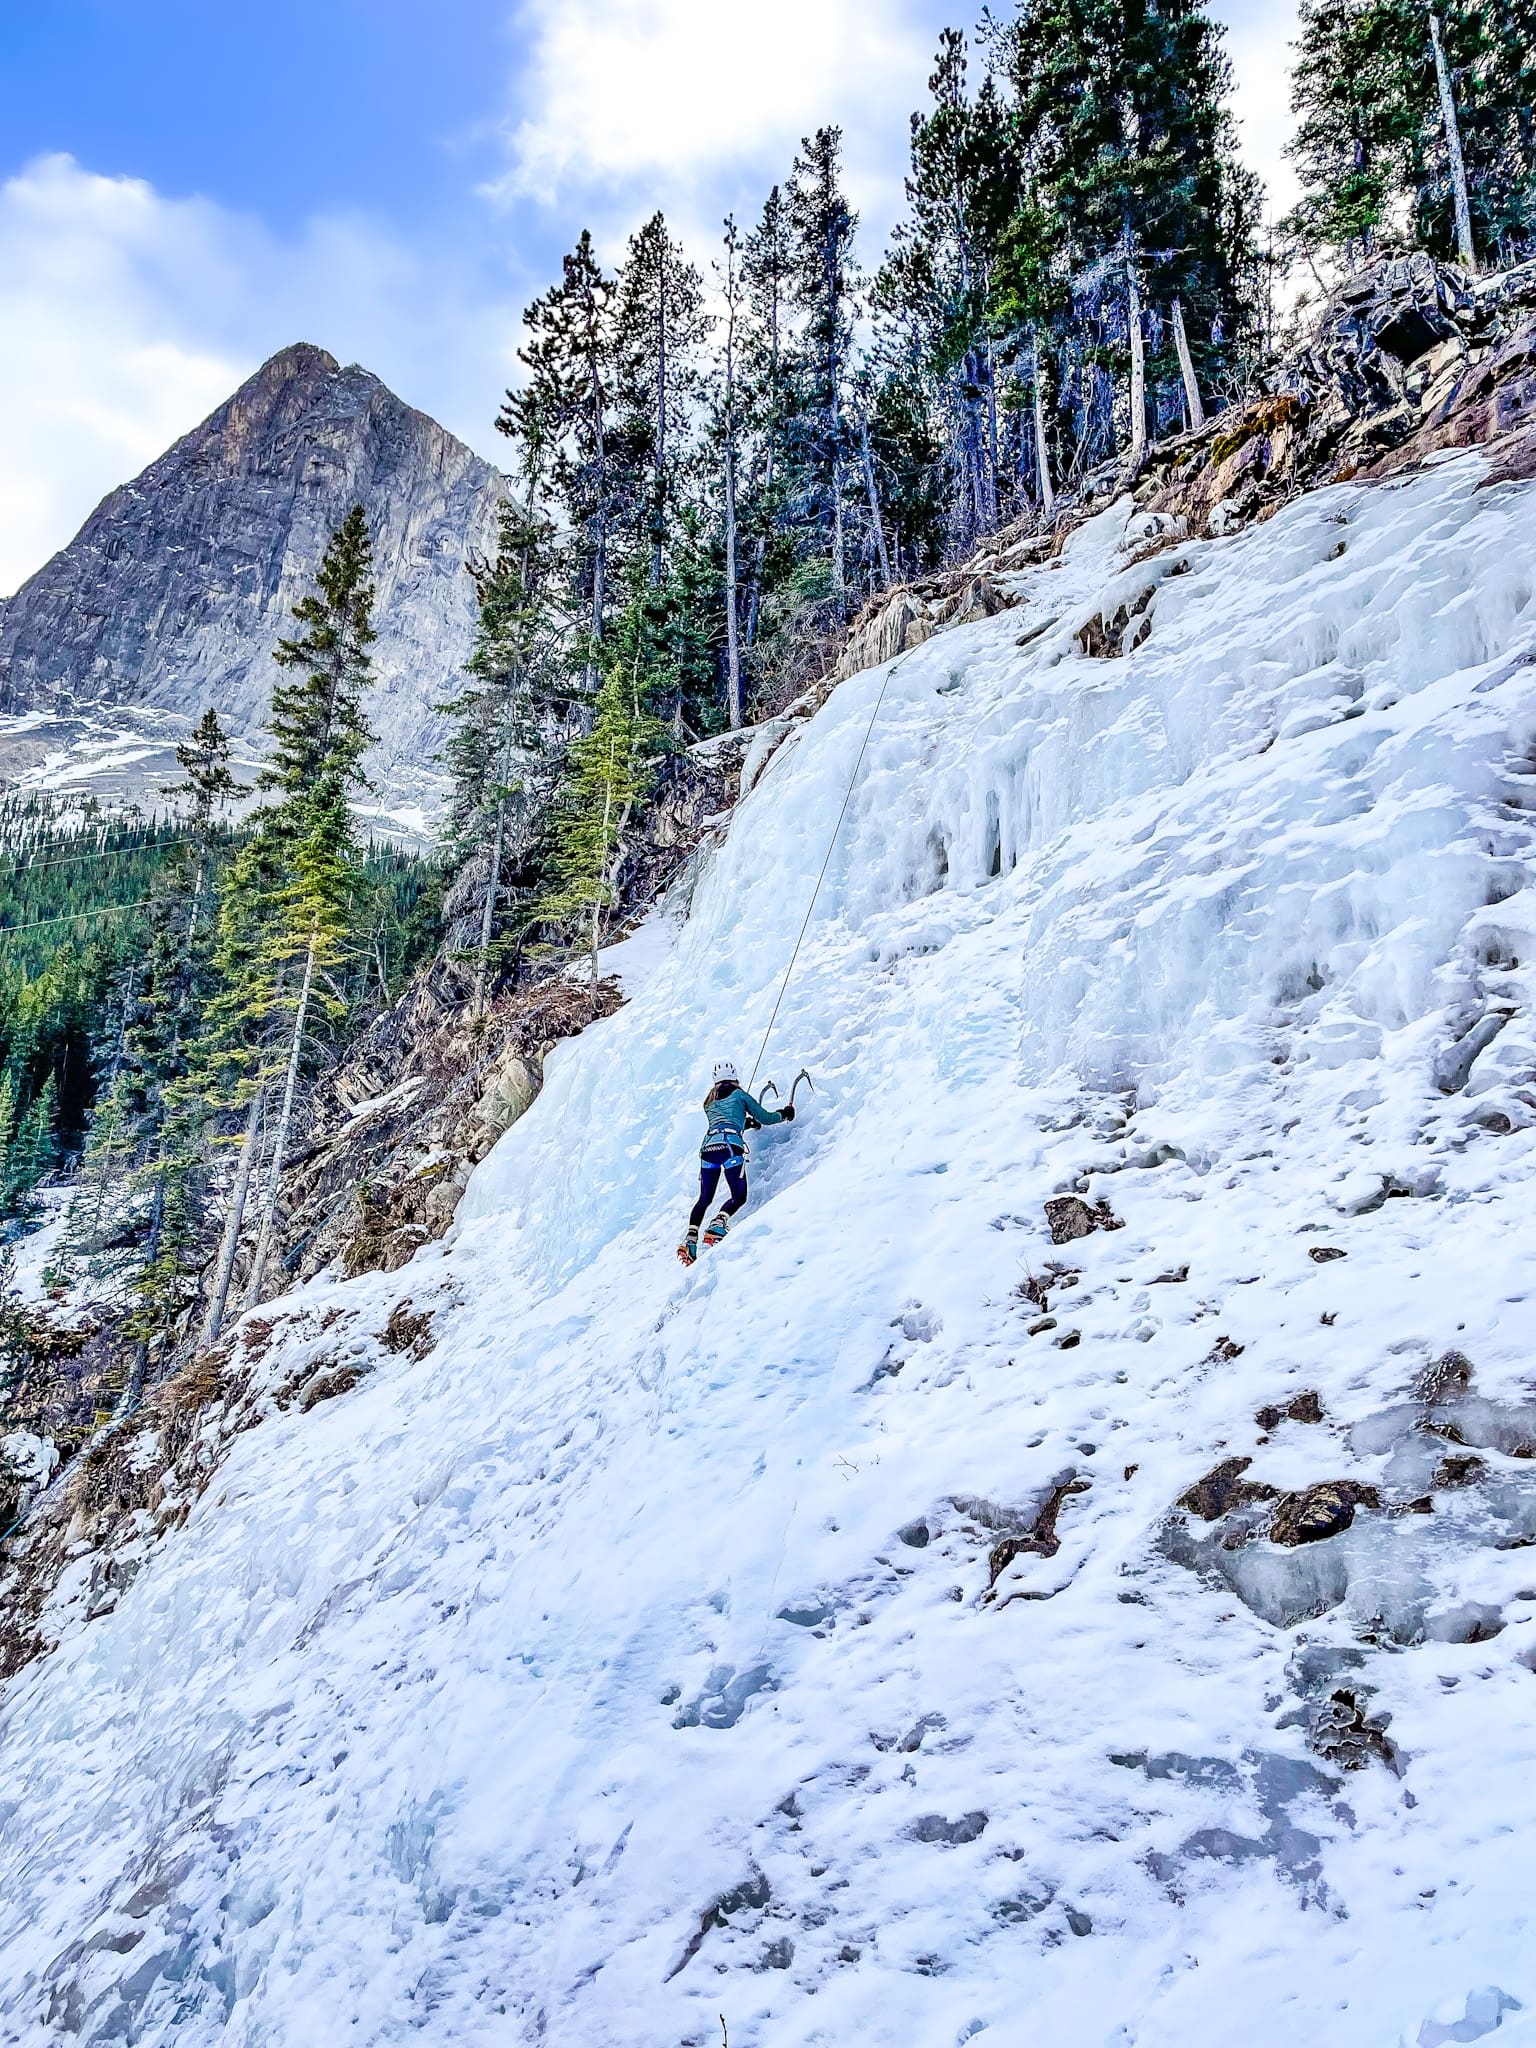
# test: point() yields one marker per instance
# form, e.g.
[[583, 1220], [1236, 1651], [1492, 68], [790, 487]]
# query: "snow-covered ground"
[[627, 1661]]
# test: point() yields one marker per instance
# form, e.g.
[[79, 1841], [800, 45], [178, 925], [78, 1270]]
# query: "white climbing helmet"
[[725, 1070]]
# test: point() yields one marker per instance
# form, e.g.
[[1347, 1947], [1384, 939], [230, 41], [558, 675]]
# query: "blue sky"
[[186, 188]]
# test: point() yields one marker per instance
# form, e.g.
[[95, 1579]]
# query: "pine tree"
[[1124, 125], [568, 406], [1410, 109], [659, 326], [287, 898], [510, 724], [768, 267], [939, 282], [727, 434], [317, 722], [33, 1151], [822, 227], [165, 1117], [7, 1131], [608, 772], [1353, 125]]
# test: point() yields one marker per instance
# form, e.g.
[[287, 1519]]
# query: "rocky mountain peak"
[[174, 592]]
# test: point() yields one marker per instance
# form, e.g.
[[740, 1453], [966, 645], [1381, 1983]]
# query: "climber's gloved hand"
[[788, 1112]]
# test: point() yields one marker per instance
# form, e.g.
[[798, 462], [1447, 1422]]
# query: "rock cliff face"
[[175, 590]]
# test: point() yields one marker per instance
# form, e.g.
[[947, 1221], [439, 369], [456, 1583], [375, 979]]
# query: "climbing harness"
[[831, 848]]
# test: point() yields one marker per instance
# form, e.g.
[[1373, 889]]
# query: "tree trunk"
[[602, 872], [1453, 149], [600, 549], [839, 586], [992, 458], [284, 1126], [661, 420], [492, 890], [732, 635], [133, 1392], [1042, 447], [732, 624], [1138, 367], [834, 430], [214, 1320], [1187, 368], [874, 504]]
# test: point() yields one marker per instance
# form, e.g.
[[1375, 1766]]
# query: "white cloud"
[[94, 381], [1259, 33], [127, 316], [685, 103]]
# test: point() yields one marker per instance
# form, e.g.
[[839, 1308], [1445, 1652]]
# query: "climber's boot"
[[688, 1250], [715, 1230]]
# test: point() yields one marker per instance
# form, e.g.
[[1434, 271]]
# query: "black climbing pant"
[[711, 1166]]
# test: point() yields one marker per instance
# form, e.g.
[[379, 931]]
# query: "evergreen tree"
[[609, 771], [1123, 123], [287, 900], [938, 288], [317, 724], [1394, 133], [33, 1151], [1352, 126], [768, 271], [7, 1129], [825, 280], [727, 429], [659, 326], [510, 724], [568, 408]]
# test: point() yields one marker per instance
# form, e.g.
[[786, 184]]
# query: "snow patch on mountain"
[[816, 1638]]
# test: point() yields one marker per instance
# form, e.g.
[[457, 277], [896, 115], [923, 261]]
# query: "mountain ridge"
[[178, 585]]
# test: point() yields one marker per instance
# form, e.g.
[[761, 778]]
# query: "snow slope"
[[628, 1661]]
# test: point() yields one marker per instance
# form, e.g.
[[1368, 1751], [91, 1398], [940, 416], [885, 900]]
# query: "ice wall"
[[635, 1657]]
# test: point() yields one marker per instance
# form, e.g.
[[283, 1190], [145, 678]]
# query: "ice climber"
[[728, 1107]]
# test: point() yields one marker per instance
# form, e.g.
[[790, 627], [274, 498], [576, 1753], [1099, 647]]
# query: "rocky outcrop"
[[1409, 357], [175, 590]]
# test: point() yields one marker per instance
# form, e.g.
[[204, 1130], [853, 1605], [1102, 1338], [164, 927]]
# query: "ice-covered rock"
[[540, 1687]]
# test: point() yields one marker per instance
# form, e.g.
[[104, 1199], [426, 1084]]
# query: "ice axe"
[[794, 1086]]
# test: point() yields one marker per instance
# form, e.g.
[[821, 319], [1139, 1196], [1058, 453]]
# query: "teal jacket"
[[728, 1121]]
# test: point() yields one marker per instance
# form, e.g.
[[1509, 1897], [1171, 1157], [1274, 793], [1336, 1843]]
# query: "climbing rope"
[[831, 847]]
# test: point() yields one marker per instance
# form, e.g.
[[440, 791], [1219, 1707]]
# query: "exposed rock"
[[1452, 1473], [1449, 1377], [175, 591], [902, 619], [1070, 1217], [1300, 1408], [326, 1385], [407, 1332], [1343, 1733], [1408, 357], [1319, 1511], [1323, 1254], [1222, 1489], [933, 1827], [1039, 1537]]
